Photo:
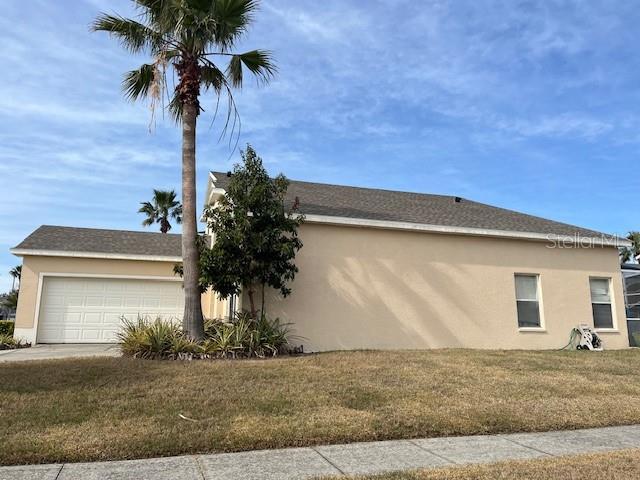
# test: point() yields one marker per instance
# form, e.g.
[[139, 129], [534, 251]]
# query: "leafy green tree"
[[255, 234], [188, 36], [15, 273], [162, 207], [628, 254], [10, 300]]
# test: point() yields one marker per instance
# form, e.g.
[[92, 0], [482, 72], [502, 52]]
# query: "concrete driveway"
[[49, 352]]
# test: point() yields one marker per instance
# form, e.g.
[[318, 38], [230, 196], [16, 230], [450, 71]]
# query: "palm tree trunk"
[[164, 225], [192, 322]]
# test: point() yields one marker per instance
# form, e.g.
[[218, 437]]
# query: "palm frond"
[[177, 213], [231, 19], [212, 77], [153, 10], [175, 109], [147, 208], [137, 83], [134, 36], [258, 62]]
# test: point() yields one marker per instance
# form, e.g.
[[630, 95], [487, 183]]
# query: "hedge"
[[6, 327]]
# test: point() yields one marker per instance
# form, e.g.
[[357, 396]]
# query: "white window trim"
[[611, 303], [542, 327], [31, 334]]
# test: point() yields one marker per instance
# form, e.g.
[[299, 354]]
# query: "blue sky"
[[527, 105]]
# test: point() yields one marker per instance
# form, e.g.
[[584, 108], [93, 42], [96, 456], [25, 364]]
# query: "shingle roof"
[[318, 199], [93, 240], [418, 208]]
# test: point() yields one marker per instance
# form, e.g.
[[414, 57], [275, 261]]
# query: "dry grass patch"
[[621, 465], [118, 408]]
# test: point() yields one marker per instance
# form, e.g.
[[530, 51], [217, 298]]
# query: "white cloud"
[[566, 124]]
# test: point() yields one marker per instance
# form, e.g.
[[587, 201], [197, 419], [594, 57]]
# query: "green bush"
[[6, 327], [241, 338]]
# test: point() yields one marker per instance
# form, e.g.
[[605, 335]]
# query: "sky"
[[526, 105]]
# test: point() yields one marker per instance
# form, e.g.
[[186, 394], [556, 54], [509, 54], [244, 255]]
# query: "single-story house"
[[379, 269]]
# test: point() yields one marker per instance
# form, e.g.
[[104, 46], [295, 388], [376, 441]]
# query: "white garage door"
[[89, 310]]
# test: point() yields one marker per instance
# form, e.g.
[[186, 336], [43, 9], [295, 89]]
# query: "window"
[[632, 293], [527, 301], [601, 302]]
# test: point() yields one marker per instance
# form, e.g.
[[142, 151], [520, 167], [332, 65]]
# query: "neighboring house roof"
[[320, 202], [630, 266], [98, 243]]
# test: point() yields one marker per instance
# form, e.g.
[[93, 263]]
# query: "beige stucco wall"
[[33, 266], [372, 288], [213, 306]]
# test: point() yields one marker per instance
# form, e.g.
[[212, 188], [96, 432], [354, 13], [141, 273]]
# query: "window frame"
[[542, 326], [232, 301], [627, 301], [611, 303]]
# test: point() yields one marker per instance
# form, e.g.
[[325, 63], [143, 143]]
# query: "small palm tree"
[[190, 36], [162, 207], [15, 273]]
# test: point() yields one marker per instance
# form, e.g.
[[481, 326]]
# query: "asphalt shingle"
[[318, 199], [71, 239], [419, 208]]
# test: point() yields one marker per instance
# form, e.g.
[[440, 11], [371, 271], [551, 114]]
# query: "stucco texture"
[[361, 288]]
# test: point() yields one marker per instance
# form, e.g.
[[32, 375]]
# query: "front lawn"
[[118, 408], [621, 465]]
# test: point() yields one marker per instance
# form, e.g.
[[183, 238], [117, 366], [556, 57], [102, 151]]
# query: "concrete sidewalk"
[[355, 458], [52, 352]]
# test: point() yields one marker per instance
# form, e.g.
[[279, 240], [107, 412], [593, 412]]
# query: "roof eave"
[[555, 239], [25, 252]]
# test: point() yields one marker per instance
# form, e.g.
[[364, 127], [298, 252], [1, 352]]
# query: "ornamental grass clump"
[[146, 338], [242, 337], [7, 342]]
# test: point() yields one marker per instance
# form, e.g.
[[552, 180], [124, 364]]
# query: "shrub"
[[240, 338], [145, 338], [6, 327], [245, 336], [7, 342]]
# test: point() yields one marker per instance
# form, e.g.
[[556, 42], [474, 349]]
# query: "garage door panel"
[[95, 301], [113, 302], [91, 310], [151, 303], [90, 319], [92, 335], [132, 301], [70, 318], [73, 300]]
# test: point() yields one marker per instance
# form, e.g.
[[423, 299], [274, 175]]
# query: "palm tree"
[[629, 254], [190, 36], [160, 208], [15, 273]]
